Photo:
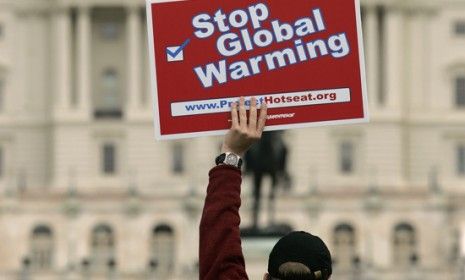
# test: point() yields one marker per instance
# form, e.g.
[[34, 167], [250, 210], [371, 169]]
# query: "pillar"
[[83, 40]]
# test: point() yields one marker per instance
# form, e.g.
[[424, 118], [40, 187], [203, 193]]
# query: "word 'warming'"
[[236, 37]]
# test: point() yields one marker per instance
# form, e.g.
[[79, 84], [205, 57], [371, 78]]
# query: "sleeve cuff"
[[222, 168]]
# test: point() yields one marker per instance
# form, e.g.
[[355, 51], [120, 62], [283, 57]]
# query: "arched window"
[[41, 248], [345, 245], [103, 246], [163, 247], [405, 242]]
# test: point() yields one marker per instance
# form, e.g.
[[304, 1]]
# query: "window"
[[177, 164], [109, 159], [108, 101], [404, 245], [110, 30], [2, 31], [459, 27], [460, 92], [346, 157], [103, 247], [41, 248], [461, 159], [163, 247], [110, 88], [345, 246]]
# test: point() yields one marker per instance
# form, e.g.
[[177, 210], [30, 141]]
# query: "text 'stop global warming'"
[[304, 59]]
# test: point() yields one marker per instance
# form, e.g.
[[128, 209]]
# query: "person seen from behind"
[[296, 256]]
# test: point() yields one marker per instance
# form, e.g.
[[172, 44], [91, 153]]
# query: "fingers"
[[253, 114], [234, 116], [242, 114], [262, 118], [239, 119]]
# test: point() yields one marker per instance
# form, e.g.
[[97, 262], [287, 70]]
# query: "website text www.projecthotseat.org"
[[284, 100]]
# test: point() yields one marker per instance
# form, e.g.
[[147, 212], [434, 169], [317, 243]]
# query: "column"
[[83, 61], [134, 31], [394, 49], [462, 243], [417, 60], [62, 37], [397, 99], [147, 99], [372, 54]]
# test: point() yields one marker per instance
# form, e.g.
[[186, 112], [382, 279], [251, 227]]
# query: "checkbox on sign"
[[172, 55], [176, 53]]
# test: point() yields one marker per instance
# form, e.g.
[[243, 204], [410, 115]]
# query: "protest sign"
[[303, 58]]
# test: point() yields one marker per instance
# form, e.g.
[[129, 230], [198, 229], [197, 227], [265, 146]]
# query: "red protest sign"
[[303, 58]]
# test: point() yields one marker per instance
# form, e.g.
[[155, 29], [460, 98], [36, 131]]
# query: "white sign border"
[[153, 79]]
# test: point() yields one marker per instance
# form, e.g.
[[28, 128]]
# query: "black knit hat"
[[301, 247]]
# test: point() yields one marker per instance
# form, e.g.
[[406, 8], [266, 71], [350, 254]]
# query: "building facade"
[[87, 193]]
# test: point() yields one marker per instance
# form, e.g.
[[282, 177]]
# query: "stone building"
[[87, 193]]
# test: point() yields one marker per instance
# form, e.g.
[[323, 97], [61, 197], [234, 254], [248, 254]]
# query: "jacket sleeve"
[[220, 252]]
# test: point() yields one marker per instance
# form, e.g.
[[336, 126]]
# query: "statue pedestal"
[[256, 251], [257, 244], [272, 231]]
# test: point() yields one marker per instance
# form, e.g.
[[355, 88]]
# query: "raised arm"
[[220, 252]]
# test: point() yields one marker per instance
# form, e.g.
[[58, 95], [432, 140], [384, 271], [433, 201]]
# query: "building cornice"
[[51, 5], [413, 5]]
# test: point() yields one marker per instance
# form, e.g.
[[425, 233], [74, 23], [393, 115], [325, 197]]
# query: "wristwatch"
[[229, 159]]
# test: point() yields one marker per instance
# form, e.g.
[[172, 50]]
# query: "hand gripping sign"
[[304, 58]]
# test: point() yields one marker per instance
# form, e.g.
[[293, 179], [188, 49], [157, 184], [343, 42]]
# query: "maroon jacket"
[[220, 254]]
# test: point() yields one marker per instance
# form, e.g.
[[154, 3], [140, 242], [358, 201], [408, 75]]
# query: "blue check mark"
[[178, 50]]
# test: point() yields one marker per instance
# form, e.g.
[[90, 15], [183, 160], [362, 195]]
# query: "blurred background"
[[87, 193]]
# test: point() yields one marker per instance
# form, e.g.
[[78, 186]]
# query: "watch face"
[[231, 159]]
